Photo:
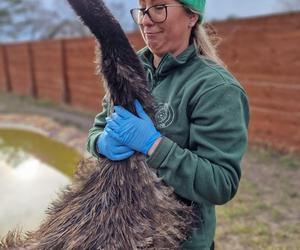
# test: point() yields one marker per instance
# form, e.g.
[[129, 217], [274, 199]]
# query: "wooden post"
[[64, 69], [8, 86], [33, 89]]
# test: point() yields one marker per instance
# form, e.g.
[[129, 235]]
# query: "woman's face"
[[171, 36]]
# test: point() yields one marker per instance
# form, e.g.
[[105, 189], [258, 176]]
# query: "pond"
[[33, 169]]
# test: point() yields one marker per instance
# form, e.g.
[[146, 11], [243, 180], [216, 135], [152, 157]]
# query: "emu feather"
[[113, 205]]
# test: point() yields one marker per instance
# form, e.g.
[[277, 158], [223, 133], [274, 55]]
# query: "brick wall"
[[18, 64], [48, 70], [3, 80], [264, 54]]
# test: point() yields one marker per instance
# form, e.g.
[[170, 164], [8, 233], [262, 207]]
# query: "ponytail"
[[206, 42]]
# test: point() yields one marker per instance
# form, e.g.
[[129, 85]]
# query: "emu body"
[[112, 204]]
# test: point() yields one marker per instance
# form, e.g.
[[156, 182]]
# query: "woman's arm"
[[97, 128], [210, 169]]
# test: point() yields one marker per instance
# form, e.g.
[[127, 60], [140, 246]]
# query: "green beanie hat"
[[197, 5]]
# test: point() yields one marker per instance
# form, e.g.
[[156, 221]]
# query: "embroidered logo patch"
[[164, 115]]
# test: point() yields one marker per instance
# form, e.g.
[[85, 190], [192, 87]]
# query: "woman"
[[201, 112]]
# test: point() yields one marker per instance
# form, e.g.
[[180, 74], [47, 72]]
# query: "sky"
[[216, 9]]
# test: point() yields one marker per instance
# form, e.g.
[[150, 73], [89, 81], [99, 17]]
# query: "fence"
[[263, 53]]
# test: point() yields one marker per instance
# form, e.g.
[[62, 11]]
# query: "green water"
[[33, 171], [17, 144]]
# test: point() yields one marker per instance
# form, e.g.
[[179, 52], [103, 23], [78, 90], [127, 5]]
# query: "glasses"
[[156, 13]]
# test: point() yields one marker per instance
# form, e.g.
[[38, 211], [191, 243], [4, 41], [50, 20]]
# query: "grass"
[[17, 102], [65, 114], [285, 159], [265, 212]]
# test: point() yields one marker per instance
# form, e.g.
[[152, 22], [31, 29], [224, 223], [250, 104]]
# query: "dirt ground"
[[263, 215], [11, 103]]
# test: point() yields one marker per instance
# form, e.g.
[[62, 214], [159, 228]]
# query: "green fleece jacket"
[[203, 114]]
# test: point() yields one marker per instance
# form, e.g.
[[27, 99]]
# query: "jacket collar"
[[168, 62]]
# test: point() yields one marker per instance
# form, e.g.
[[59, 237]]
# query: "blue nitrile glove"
[[112, 148], [136, 132]]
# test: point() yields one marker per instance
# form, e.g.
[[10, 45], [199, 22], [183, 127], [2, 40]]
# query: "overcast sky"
[[218, 9]]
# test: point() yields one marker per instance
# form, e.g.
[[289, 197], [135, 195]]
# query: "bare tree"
[[30, 20], [9, 8], [66, 24], [120, 11], [291, 5], [33, 20]]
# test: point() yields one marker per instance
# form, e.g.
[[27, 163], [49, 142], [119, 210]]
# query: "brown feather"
[[112, 204]]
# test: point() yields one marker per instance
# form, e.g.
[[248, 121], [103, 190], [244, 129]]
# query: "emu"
[[111, 205]]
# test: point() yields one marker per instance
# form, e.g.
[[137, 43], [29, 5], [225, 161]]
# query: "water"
[[33, 169]]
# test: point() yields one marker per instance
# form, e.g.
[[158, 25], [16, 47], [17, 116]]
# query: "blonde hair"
[[204, 37], [206, 42]]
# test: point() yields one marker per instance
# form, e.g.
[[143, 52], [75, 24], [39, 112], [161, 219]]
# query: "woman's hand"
[[136, 132], [112, 148]]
